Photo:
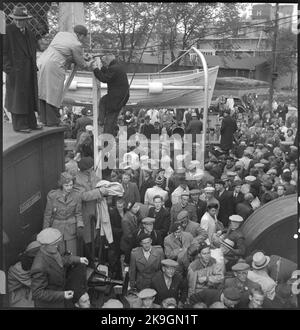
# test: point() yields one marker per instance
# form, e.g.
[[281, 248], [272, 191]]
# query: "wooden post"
[[273, 65], [70, 14], [96, 98]]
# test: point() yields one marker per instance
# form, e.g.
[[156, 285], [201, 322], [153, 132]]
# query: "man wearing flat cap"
[[49, 277], [184, 204], [65, 47], [147, 227], [147, 297], [241, 282], [168, 283], [19, 64], [191, 226], [235, 234], [177, 242], [230, 297], [145, 261]]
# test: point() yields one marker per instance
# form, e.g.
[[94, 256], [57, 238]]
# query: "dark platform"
[[32, 164]]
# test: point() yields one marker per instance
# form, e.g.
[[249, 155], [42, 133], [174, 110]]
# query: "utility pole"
[[273, 63]]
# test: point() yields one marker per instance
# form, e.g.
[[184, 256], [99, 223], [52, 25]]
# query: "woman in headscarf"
[[49, 276], [63, 212], [65, 48]]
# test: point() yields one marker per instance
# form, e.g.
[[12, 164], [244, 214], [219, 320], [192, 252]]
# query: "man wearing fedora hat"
[[259, 274], [19, 64]]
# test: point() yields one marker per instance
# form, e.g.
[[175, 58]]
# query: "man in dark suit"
[[194, 127], [228, 128], [161, 216], [237, 195], [19, 64], [226, 202], [82, 122], [117, 95], [168, 283], [200, 204], [131, 191], [244, 209]]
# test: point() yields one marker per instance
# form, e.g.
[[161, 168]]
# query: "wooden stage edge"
[[12, 139]]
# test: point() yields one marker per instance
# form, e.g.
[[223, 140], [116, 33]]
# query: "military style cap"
[[148, 220], [218, 181], [185, 193], [259, 165], [224, 177], [112, 303], [89, 128], [209, 189], [272, 171], [33, 245], [65, 177], [236, 218], [182, 215], [231, 173], [147, 293], [169, 263], [240, 266], [232, 294], [264, 161], [143, 236], [237, 183], [49, 236], [250, 178], [195, 192]]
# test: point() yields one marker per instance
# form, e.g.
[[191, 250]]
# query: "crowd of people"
[[170, 226], [175, 230]]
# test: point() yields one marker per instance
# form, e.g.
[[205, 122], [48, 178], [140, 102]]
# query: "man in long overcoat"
[[145, 262], [228, 128], [19, 64]]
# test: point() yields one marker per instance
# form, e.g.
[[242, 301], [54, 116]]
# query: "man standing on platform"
[[117, 95], [228, 128], [19, 63]]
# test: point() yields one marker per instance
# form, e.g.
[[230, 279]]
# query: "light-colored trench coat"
[[85, 185], [63, 49]]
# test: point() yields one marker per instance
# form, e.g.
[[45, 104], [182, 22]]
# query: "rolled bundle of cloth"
[[103, 219]]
